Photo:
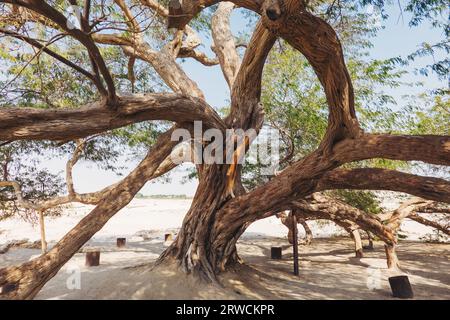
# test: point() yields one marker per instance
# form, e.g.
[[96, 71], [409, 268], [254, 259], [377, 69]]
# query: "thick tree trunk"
[[195, 248], [391, 257]]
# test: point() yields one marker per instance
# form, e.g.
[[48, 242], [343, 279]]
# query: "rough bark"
[[288, 222], [224, 44], [60, 124], [319, 43]]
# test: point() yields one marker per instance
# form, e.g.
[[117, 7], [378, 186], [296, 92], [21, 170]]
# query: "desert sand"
[[328, 269]]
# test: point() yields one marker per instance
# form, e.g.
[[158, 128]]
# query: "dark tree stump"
[[168, 237], [92, 258], [121, 242], [276, 253], [401, 288]]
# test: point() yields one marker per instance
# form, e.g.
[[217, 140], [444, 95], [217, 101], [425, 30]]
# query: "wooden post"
[[42, 226], [121, 242], [295, 242], [168, 237], [276, 253], [401, 288], [92, 258], [391, 257]]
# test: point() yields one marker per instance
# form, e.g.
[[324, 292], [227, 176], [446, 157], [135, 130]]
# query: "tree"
[[221, 209]]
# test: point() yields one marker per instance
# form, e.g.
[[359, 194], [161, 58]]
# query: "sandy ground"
[[328, 269]]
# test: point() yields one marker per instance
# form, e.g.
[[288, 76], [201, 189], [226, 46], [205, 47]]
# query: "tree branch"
[[54, 15], [70, 124], [224, 44], [53, 54], [416, 217]]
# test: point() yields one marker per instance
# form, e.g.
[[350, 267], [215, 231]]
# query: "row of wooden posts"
[[400, 285], [93, 256]]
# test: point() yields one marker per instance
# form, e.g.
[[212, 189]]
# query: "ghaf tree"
[[221, 209]]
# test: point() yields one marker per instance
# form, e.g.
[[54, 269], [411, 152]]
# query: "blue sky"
[[396, 39]]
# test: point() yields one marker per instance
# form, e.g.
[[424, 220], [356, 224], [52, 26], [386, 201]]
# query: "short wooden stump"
[[276, 253], [401, 288], [168, 237], [92, 258], [121, 242]]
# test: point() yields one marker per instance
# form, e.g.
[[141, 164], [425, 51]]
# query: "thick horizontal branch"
[[303, 177], [384, 179], [431, 149], [56, 124]]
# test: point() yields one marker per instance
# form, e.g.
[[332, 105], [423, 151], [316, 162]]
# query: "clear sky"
[[396, 39]]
